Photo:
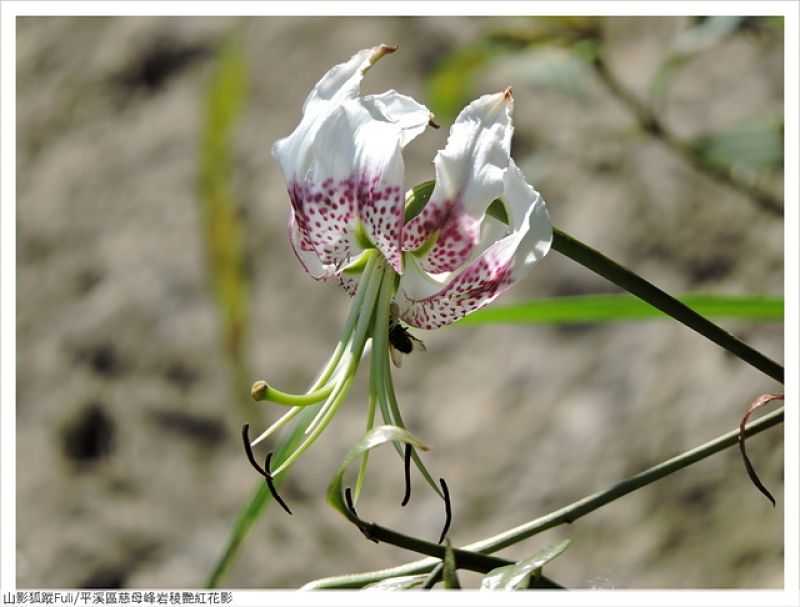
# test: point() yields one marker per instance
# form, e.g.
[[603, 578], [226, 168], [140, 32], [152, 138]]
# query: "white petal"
[[493, 271], [342, 163], [469, 176], [340, 83], [357, 172]]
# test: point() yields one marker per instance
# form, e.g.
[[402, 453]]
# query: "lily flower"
[[429, 256]]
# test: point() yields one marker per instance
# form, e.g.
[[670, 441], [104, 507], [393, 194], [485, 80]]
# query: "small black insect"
[[400, 340]]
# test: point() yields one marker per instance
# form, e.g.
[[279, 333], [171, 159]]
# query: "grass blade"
[[623, 307], [646, 291]]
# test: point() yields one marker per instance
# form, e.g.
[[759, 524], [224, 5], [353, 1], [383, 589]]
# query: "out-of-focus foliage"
[[756, 144], [223, 234], [556, 53], [540, 51], [704, 34]]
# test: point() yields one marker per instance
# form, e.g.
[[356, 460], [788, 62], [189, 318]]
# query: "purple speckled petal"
[[427, 304], [303, 248], [357, 173], [322, 214], [343, 165], [469, 176]]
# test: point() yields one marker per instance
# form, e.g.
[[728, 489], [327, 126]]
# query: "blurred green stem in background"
[[223, 234]]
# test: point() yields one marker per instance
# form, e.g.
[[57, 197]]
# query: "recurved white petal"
[[469, 176], [340, 83], [491, 272], [357, 173]]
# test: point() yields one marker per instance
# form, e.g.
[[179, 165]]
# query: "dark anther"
[[249, 451], [448, 512], [348, 498], [407, 473], [271, 485], [432, 124], [262, 471]]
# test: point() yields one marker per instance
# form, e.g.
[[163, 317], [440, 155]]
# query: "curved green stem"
[[362, 464], [567, 514], [399, 422], [268, 393], [634, 284]]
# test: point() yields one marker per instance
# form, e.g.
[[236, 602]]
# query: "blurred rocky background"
[[137, 343]]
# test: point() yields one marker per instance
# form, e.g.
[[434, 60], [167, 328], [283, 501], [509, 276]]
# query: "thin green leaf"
[[449, 575], [626, 279], [516, 576], [406, 582], [374, 438], [625, 307]]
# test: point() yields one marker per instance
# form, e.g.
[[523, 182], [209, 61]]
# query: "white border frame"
[[790, 11]]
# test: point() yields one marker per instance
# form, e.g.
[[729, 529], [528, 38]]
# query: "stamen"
[[448, 512], [262, 471], [271, 485], [249, 451], [407, 473], [348, 498]]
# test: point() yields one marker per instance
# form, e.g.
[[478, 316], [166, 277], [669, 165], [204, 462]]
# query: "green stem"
[[268, 393], [464, 559], [624, 278], [588, 504], [362, 464], [380, 345], [568, 514]]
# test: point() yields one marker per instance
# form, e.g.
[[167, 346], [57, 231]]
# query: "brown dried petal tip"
[[380, 51]]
